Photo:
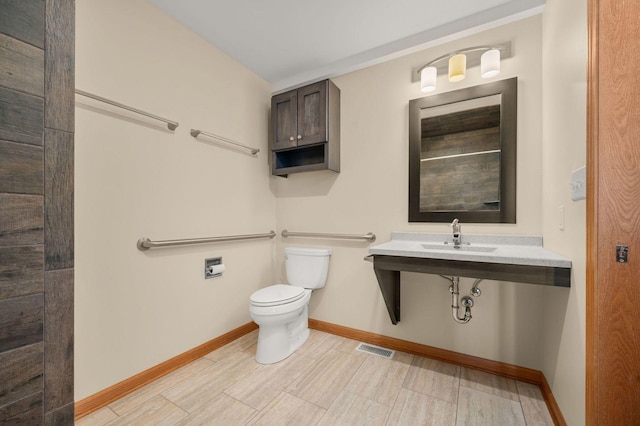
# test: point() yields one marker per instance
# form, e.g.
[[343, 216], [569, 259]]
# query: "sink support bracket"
[[390, 288], [387, 269]]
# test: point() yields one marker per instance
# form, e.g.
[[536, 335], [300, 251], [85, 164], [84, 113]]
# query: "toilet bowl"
[[283, 327], [281, 310]]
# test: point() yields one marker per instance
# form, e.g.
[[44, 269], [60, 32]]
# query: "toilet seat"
[[277, 294]]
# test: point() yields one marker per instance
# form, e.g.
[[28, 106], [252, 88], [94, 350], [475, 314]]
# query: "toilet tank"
[[307, 267]]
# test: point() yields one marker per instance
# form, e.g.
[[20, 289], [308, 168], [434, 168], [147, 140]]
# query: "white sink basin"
[[464, 247], [507, 249]]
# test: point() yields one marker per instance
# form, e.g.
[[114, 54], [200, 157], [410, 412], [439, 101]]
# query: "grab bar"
[[145, 244], [195, 133], [369, 236], [172, 125]]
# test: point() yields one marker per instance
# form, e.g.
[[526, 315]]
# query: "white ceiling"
[[290, 42]]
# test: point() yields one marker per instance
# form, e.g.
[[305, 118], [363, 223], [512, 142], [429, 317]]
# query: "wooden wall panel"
[[459, 143], [36, 85], [21, 168], [461, 121], [24, 20], [21, 373], [21, 117], [21, 321], [60, 63], [21, 219], [58, 339], [58, 197], [61, 416], [21, 271], [26, 411], [23, 68]]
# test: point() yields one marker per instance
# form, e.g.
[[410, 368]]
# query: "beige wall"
[[370, 194], [134, 178], [564, 150]]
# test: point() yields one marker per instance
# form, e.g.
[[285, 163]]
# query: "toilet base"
[[277, 341]]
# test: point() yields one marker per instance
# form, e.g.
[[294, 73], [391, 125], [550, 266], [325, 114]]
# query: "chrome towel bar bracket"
[[368, 237], [146, 244]]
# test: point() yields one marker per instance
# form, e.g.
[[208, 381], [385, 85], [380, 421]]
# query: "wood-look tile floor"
[[325, 382]]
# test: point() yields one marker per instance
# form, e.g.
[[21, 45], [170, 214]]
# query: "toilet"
[[281, 310]]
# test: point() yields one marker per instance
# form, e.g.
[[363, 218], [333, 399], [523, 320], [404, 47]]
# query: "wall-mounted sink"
[[464, 247], [509, 258], [504, 249]]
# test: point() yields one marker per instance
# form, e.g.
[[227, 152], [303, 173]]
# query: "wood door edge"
[[591, 320]]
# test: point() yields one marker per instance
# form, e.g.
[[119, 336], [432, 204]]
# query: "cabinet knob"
[[291, 138], [299, 137]]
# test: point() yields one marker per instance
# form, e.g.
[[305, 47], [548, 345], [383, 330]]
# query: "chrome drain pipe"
[[466, 301]]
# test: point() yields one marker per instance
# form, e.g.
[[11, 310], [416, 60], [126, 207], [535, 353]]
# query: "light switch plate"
[[579, 184]]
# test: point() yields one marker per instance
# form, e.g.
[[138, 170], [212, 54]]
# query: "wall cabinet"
[[305, 129]]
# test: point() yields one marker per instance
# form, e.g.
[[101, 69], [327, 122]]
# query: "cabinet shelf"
[[301, 159]]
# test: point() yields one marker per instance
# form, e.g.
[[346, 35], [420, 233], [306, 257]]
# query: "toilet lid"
[[277, 294]]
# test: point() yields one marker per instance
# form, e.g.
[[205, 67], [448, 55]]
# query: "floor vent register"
[[375, 350]]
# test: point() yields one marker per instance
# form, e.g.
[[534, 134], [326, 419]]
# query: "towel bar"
[[172, 125]]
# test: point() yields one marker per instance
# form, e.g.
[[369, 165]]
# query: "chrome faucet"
[[457, 235]]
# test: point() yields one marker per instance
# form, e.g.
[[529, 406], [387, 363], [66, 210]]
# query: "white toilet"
[[281, 310]]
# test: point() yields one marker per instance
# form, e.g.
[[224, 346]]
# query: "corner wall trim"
[[510, 371], [125, 387]]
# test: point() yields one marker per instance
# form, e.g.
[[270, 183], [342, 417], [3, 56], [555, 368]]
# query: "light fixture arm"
[[456, 52]]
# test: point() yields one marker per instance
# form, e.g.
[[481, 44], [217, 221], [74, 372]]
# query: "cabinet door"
[[312, 114], [284, 110]]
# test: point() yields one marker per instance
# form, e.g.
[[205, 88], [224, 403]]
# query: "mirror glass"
[[462, 155]]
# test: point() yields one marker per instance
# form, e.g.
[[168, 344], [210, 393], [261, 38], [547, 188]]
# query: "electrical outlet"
[[579, 184], [561, 218]]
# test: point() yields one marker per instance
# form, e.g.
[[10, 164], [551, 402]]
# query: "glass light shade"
[[428, 78], [490, 63], [457, 67]]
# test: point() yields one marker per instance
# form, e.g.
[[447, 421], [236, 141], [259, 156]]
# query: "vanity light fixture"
[[490, 63], [489, 66], [457, 67], [428, 78]]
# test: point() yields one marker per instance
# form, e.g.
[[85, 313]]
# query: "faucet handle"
[[455, 225]]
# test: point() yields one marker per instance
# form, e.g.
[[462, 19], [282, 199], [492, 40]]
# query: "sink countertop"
[[509, 249]]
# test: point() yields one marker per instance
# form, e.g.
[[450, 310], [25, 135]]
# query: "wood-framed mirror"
[[462, 155]]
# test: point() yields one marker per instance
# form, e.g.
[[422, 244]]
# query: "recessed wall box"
[[213, 267]]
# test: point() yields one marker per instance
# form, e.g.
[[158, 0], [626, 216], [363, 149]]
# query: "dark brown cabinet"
[[305, 129]]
